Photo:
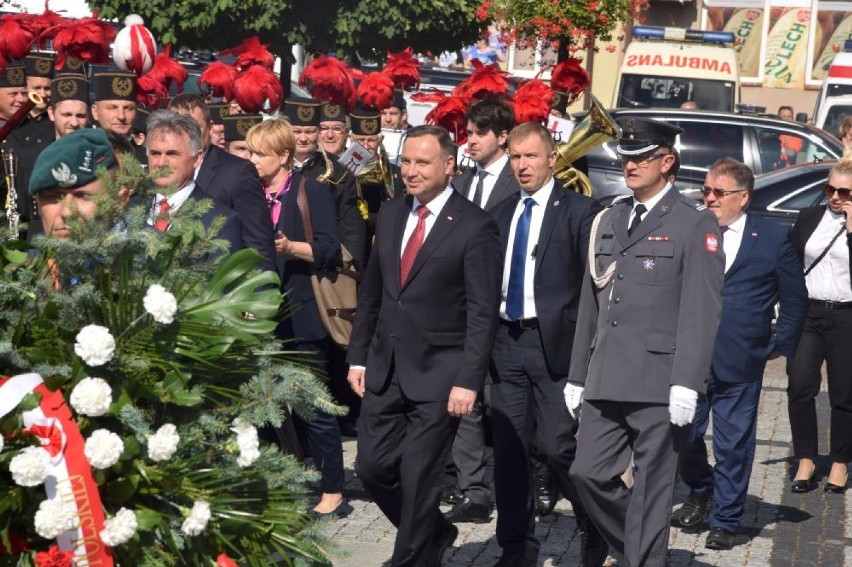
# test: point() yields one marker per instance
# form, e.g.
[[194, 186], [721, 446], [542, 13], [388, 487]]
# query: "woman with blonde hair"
[[271, 146]]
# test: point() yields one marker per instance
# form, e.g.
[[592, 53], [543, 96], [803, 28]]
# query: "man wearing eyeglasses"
[[761, 269], [649, 310], [333, 131]]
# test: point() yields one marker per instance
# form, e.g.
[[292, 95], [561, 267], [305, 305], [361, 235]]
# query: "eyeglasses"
[[830, 190], [718, 193], [640, 160], [335, 129]]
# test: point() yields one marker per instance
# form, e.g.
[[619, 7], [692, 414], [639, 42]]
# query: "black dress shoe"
[[719, 540], [806, 485], [445, 541], [836, 488], [343, 509], [467, 511], [593, 547], [693, 511], [514, 560], [451, 495], [546, 493]]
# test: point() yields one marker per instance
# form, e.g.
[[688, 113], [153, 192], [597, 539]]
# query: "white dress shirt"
[[434, 206], [731, 240], [493, 171], [829, 280], [175, 200], [649, 204], [541, 198]]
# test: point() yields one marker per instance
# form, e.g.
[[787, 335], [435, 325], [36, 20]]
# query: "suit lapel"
[[207, 171], [444, 223], [746, 244], [461, 183], [400, 219], [551, 212], [507, 212], [503, 188]]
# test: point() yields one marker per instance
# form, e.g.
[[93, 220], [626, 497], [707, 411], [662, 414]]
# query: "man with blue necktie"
[[544, 230]]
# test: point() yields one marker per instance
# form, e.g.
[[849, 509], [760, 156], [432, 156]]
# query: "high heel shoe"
[[805, 485], [836, 488]]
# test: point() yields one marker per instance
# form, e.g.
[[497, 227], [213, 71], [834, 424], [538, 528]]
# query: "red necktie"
[[412, 247], [162, 220]]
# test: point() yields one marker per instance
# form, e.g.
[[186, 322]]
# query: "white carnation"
[[95, 345], [197, 520], [161, 304], [91, 397], [163, 444], [248, 441], [120, 528], [54, 517], [30, 467], [103, 449]]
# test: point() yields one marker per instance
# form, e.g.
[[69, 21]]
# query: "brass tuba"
[[595, 129], [327, 176], [377, 171]]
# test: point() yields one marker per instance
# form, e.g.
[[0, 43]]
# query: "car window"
[[703, 143], [807, 197], [779, 149]]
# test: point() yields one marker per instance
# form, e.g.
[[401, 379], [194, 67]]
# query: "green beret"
[[72, 160]]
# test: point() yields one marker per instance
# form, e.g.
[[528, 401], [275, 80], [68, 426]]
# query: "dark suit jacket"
[[232, 229], [437, 329], [805, 226], [505, 186], [303, 322], [233, 182], [560, 261], [765, 270]]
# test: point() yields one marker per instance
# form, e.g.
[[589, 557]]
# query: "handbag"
[[335, 291]]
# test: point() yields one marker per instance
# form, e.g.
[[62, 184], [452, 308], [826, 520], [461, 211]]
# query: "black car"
[[763, 143], [780, 195]]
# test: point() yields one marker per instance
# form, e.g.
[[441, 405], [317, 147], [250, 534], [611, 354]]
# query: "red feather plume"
[[376, 91], [450, 112], [532, 102], [255, 85], [16, 36], [327, 78], [403, 69], [87, 39], [485, 79], [218, 79], [150, 91], [154, 85], [45, 25], [570, 77], [251, 52]]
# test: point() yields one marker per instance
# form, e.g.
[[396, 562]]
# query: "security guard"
[[647, 320]]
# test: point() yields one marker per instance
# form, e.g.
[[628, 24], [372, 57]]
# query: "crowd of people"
[[598, 340]]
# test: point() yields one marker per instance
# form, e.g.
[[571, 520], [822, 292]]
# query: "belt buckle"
[[832, 304], [526, 324]]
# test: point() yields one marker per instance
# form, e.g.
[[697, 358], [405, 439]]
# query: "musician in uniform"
[[37, 128], [649, 310], [13, 97], [333, 128]]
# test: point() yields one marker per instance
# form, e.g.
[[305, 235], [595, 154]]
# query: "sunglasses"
[[718, 193], [641, 159], [830, 190]]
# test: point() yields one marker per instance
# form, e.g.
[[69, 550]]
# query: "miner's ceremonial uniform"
[[649, 310]]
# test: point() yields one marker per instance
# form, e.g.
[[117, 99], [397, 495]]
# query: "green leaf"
[[122, 489], [30, 401], [147, 519]]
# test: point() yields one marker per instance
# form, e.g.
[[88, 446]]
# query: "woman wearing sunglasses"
[[822, 237]]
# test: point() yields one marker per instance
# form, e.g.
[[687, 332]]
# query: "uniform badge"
[[648, 264], [711, 243]]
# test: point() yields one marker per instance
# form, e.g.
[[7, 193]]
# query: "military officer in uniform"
[[649, 310]]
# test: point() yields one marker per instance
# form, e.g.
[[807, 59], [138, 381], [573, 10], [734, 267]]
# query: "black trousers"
[[527, 400], [827, 337], [402, 448]]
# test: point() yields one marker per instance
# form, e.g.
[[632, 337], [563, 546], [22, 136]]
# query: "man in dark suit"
[[761, 268], [544, 230], [649, 309], [174, 142], [230, 181], [420, 348]]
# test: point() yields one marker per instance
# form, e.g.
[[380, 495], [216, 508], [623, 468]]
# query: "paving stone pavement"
[[780, 529]]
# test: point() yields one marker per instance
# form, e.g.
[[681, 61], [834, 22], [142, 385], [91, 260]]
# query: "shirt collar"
[[178, 197], [652, 202], [542, 196], [496, 167], [435, 205], [739, 224]]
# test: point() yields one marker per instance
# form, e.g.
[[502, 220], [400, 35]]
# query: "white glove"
[[573, 397], [682, 403]]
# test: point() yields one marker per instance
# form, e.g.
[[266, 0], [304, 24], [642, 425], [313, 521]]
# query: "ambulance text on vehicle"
[[665, 67]]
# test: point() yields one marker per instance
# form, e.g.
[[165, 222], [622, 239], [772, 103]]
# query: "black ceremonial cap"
[[69, 86], [238, 125], [302, 111], [14, 76], [365, 122], [114, 84], [333, 112], [640, 135], [40, 65]]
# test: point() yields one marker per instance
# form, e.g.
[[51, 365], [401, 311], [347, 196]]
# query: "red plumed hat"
[[150, 91], [570, 77], [218, 79], [86, 39], [376, 91], [154, 85], [254, 86], [16, 37], [45, 25], [251, 52], [484, 79], [532, 102], [450, 112], [403, 69], [327, 78]]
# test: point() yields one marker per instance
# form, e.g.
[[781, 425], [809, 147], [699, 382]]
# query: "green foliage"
[[217, 362]]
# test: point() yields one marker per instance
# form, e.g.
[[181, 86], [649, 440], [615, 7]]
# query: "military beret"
[[218, 112], [302, 111], [365, 122], [641, 135], [114, 84], [238, 125], [69, 86], [15, 75], [39, 65], [333, 112], [72, 160]]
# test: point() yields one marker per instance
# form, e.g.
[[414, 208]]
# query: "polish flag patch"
[[711, 243]]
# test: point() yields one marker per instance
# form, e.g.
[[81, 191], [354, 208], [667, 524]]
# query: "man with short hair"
[[115, 100], [37, 129], [649, 311], [786, 113], [395, 116], [333, 130], [13, 90], [231, 181], [761, 269], [421, 344]]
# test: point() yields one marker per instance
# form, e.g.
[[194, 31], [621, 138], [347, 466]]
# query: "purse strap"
[[825, 251], [305, 210]]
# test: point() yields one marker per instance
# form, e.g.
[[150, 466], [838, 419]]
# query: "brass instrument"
[[32, 100], [327, 176], [10, 165], [378, 171], [595, 129]]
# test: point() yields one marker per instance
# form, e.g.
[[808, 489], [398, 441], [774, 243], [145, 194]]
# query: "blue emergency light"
[[682, 34], [847, 45]]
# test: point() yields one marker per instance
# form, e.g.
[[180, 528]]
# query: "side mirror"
[[802, 117]]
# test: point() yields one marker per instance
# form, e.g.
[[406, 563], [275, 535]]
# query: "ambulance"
[[665, 67], [835, 97]]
